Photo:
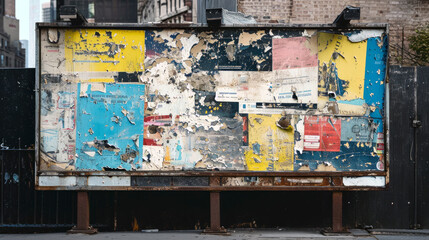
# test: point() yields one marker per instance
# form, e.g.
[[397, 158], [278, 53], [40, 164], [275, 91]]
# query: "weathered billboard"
[[118, 106]]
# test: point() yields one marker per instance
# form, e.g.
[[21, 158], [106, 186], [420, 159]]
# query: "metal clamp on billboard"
[[186, 107]]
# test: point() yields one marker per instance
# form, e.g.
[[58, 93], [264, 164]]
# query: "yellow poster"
[[270, 147], [341, 67], [104, 50]]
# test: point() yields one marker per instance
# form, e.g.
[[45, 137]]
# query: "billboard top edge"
[[205, 26]]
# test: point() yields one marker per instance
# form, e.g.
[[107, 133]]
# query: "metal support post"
[[337, 217], [215, 227], [337, 212], [215, 211], [82, 225]]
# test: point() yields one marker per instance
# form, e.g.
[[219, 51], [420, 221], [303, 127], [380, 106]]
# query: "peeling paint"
[[276, 145], [219, 99], [365, 34], [364, 181], [305, 180]]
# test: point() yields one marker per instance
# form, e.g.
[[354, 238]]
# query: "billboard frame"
[[331, 181]]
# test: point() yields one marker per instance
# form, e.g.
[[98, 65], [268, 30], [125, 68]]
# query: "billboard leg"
[[337, 212], [215, 227], [337, 216], [82, 225]]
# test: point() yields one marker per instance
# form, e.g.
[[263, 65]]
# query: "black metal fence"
[[403, 205]]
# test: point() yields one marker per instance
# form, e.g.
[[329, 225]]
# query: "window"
[[91, 10], [2, 60], [7, 61]]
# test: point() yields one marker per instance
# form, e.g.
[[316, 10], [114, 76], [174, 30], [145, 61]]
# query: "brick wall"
[[402, 15]]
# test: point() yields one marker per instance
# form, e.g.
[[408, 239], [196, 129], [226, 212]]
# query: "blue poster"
[[109, 127]]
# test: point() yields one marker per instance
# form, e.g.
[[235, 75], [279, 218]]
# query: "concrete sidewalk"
[[235, 235]]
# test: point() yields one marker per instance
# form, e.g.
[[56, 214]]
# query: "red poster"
[[322, 134]]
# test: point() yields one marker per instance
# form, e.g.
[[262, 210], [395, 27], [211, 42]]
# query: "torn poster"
[[322, 134], [296, 86], [110, 127], [295, 52], [270, 147]]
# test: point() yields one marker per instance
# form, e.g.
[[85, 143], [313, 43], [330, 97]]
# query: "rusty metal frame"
[[332, 181], [228, 173], [37, 110], [334, 178], [386, 119], [142, 26]]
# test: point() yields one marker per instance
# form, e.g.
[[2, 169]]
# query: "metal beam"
[[215, 227], [82, 225], [337, 212]]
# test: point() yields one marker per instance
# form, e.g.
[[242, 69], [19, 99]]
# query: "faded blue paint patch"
[[6, 177], [109, 127], [357, 129], [47, 104], [49, 140], [179, 154], [354, 156], [179, 151], [375, 72], [66, 99], [15, 178], [357, 101], [256, 147]]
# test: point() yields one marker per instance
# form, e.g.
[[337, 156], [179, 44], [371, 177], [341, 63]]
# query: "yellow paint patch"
[[107, 80], [101, 50], [271, 148], [167, 158], [350, 61]]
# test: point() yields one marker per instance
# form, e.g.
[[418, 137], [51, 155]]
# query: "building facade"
[[46, 12], [12, 54], [107, 11], [179, 11], [166, 11], [404, 17]]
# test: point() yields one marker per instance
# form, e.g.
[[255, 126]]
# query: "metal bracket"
[[417, 123]]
